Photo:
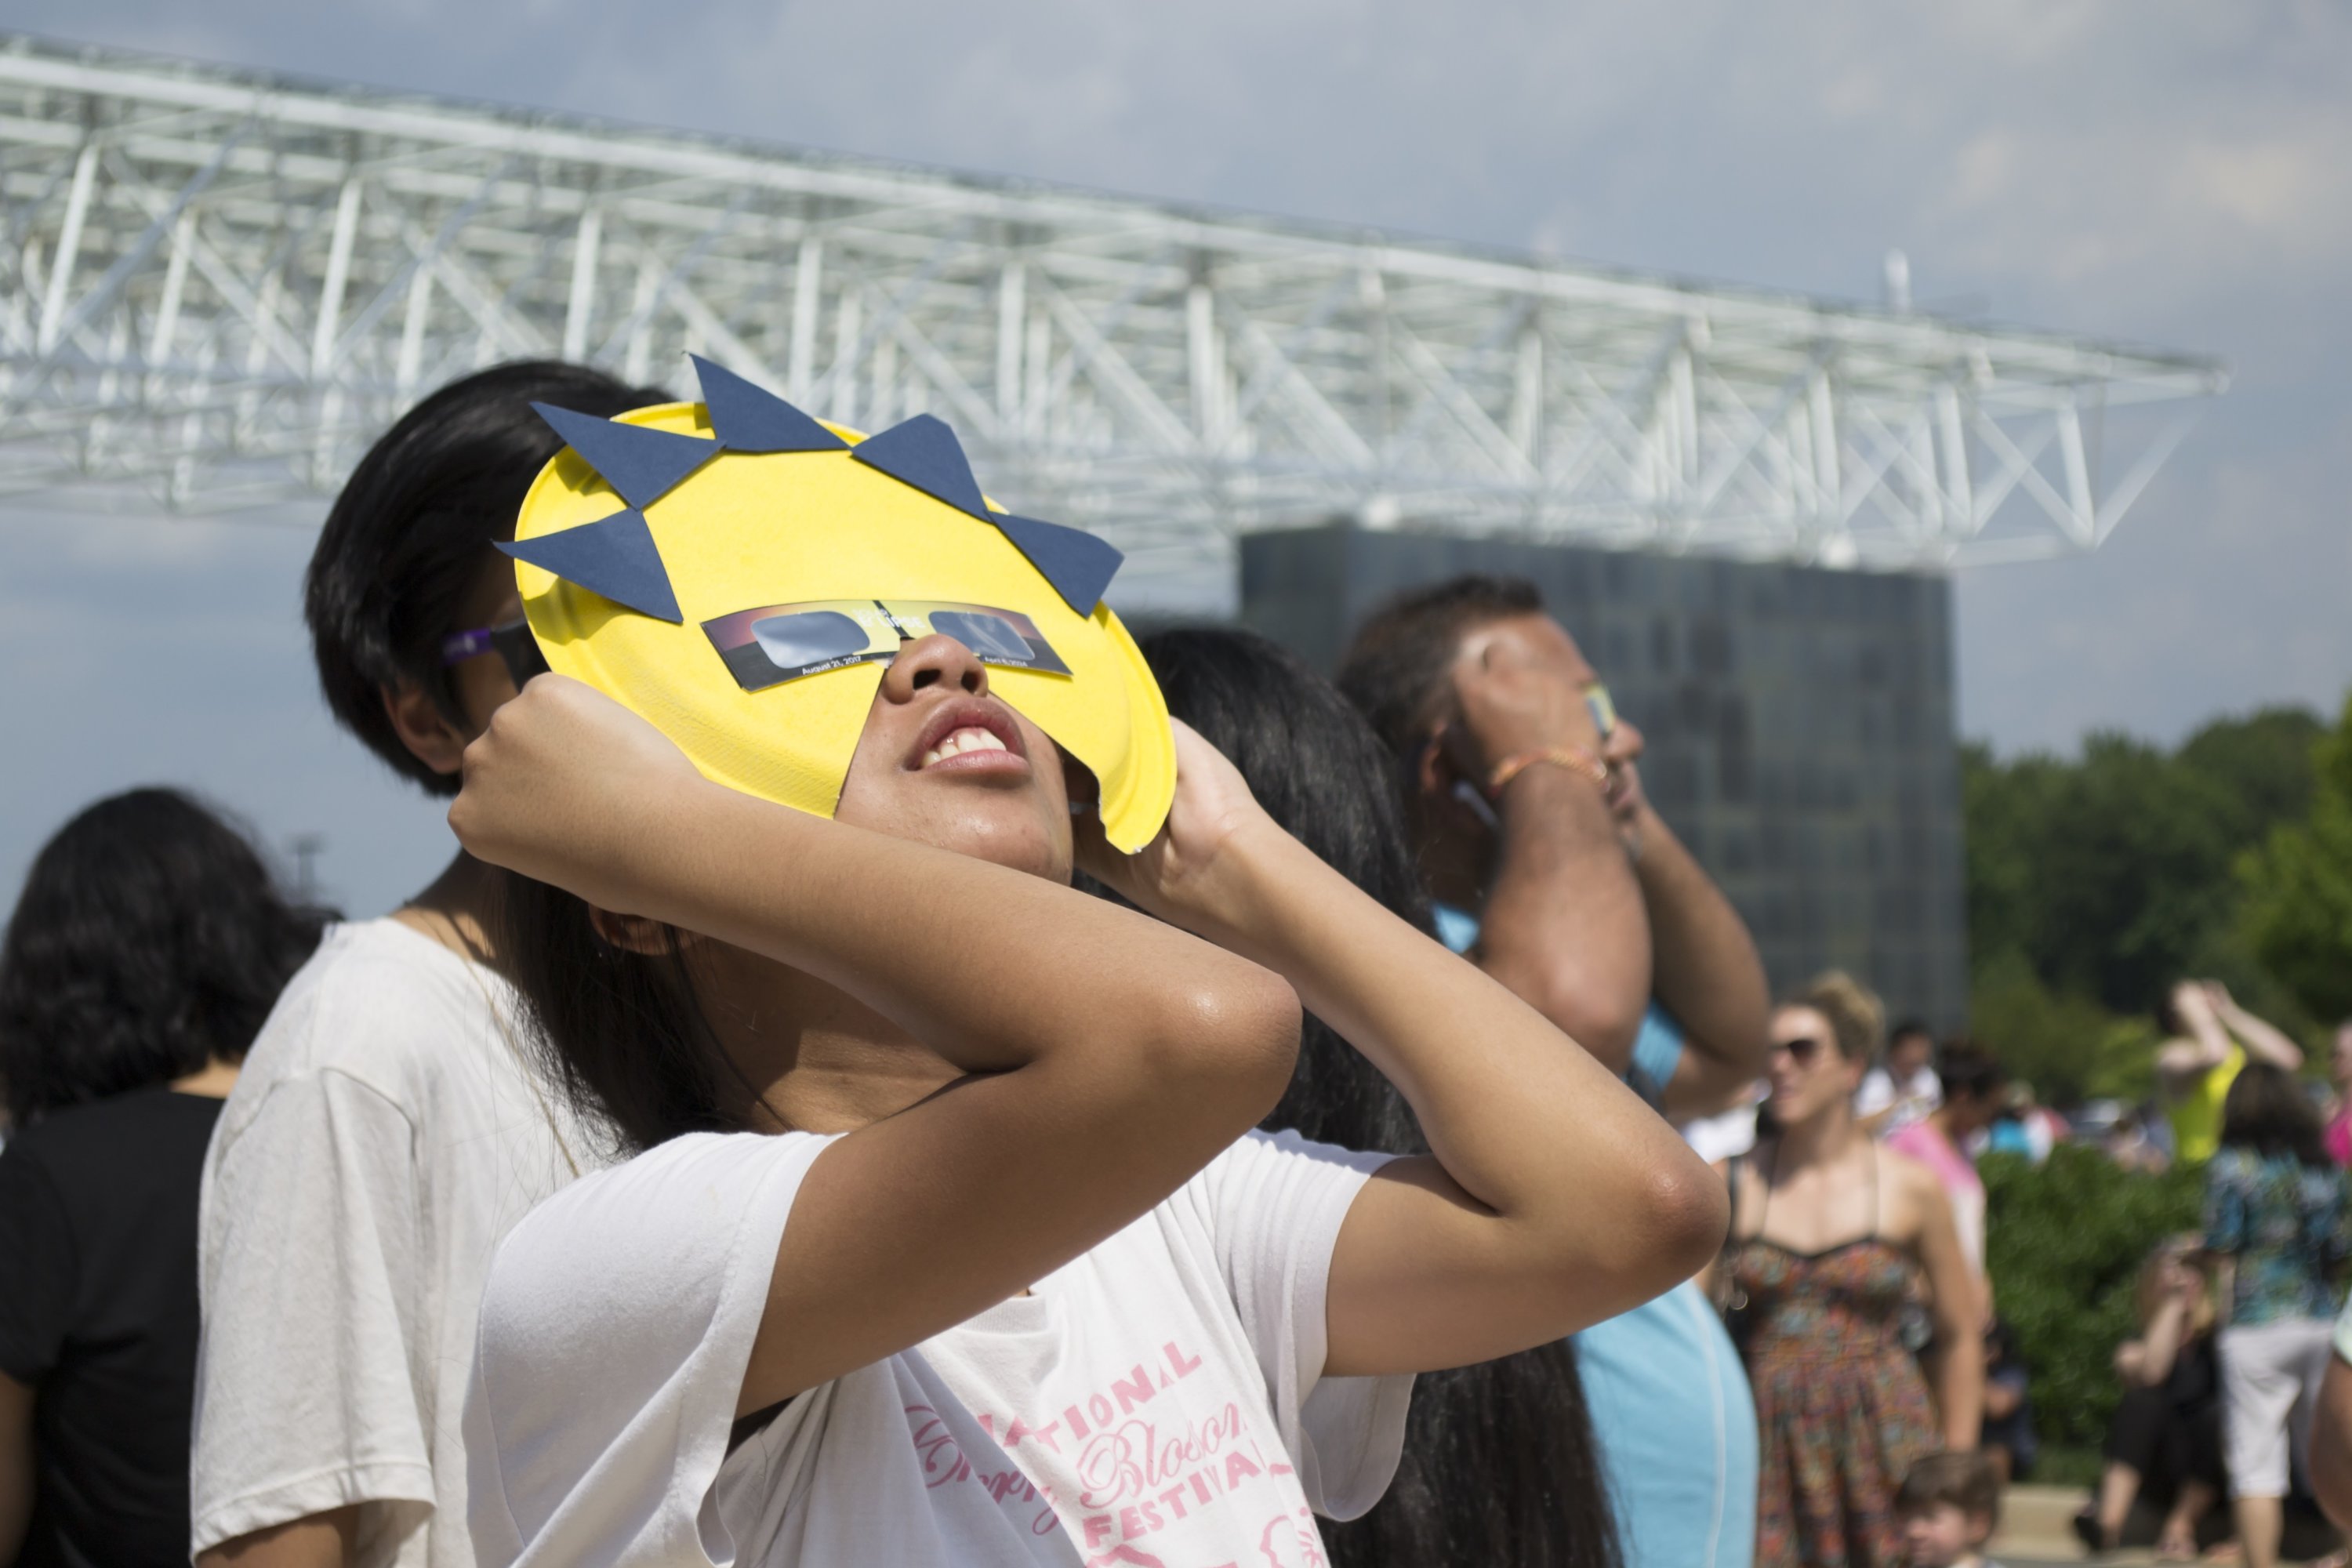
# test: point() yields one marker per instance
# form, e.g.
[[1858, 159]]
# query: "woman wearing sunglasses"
[[949, 1243], [1845, 1276]]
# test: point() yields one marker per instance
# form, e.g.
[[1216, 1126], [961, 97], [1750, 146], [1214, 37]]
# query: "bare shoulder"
[[1916, 1189], [1907, 1172]]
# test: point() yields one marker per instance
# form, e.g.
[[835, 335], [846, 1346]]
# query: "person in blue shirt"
[[1552, 872]]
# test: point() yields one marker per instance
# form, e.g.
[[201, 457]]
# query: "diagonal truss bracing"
[[216, 289]]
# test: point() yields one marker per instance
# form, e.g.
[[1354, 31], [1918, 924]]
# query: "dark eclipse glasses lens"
[[810, 637], [1803, 1051], [992, 638]]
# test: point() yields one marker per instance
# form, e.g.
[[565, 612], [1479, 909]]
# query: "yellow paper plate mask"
[[739, 574]]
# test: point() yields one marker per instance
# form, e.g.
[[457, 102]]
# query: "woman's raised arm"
[[1552, 1197]]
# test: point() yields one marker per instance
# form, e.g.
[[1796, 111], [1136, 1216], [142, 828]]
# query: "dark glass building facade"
[[1800, 723]]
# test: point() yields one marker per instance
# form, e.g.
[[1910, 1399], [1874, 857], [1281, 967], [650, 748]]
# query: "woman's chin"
[[1029, 846]]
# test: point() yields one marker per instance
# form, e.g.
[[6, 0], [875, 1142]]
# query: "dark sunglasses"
[[1804, 1051], [513, 642]]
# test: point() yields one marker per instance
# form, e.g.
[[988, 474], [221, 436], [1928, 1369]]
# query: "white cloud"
[[2166, 171]]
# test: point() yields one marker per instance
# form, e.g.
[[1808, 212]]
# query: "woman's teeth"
[[964, 740]]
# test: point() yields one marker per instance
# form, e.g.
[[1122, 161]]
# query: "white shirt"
[[384, 1135], [1917, 1095], [1158, 1403]]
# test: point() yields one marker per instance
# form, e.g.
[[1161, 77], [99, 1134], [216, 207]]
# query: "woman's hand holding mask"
[[563, 786], [1190, 875]]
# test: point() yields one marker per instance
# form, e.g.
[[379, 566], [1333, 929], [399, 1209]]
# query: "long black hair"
[[624, 1033], [150, 940], [2267, 1111], [1500, 1465]]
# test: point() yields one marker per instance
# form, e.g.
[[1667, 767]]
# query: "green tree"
[[2111, 875], [2298, 886], [2067, 1046]]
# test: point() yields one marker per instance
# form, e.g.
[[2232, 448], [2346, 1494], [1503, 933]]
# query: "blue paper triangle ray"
[[614, 556], [642, 463], [1075, 562], [749, 418], [924, 453]]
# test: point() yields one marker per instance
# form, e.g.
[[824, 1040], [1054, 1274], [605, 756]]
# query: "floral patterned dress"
[[1842, 1408]]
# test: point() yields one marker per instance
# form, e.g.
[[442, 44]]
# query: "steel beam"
[[215, 287]]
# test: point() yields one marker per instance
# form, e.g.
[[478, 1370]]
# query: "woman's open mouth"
[[970, 737]]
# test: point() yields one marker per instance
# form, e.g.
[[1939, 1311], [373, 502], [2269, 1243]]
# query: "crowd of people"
[[1400, 1160]]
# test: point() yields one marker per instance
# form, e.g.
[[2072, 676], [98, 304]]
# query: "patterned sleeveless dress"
[[1841, 1409]]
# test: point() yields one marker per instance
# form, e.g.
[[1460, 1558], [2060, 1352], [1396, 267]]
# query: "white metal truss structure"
[[216, 289]]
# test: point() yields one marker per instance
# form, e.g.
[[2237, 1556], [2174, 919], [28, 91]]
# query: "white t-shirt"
[[1917, 1095], [1157, 1403], [385, 1134]]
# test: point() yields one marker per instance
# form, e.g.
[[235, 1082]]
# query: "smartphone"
[[1603, 712]]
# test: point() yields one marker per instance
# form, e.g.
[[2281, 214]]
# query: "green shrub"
[[2065, 1044], [2064, 1242]]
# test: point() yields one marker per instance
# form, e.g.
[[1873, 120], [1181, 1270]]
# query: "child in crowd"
[[950, 1241], [386, 1128], [1949, 1505]]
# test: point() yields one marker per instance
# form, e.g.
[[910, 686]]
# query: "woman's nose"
[[934, 661]]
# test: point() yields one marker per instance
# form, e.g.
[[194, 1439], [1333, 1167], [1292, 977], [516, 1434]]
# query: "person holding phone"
[[1552, 871]]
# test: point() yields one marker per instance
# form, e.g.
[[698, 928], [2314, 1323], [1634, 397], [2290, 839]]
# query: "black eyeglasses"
[[511, 641], [1803, 1050]]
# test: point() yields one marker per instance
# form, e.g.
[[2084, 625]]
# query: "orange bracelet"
[[1575, 759]]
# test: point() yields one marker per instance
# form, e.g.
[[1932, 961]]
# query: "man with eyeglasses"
[[1550, 870], [389, 1125]]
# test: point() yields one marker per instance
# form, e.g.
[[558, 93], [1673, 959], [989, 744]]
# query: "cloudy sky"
[[2163, 170]]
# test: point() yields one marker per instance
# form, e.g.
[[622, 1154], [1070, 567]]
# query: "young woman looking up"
[[1499, 1465], [1833, 1237], [967, 1266]]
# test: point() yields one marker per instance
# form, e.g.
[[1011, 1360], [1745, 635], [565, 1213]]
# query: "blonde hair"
[[1857, 1018]]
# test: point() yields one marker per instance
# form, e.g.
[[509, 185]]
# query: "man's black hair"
[[407, 538], [1394, 672], [1966, 1069], [1908, 1028]]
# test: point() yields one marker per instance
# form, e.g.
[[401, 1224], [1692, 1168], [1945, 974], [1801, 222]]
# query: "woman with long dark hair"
[[1843, 1258], [2275, 1214], [147, 946], [1499, 1464]]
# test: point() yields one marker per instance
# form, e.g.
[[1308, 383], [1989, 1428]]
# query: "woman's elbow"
[[1234, 1044], [1693, 1210], [1676, 1213]]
